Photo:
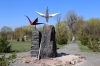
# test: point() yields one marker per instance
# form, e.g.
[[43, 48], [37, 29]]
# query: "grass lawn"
[[60, 46], [24, 46], [20, 46], [83, 48]]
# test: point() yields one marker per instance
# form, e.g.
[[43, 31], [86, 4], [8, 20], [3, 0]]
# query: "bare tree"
[[70, 18], [7, 31]]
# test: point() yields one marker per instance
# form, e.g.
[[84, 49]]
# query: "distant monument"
[[73, 39], [25, 38]]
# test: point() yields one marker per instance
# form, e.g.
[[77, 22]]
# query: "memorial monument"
[[43, 45], [48, 43], [36, 38]]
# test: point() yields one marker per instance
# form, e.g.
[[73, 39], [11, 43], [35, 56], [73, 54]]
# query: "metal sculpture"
[[35, 22], [47, 15]]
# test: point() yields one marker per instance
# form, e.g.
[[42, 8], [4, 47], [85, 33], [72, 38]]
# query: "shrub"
[[7, 61], [62, 41], [23, 40], [18, 40], [84, 40], [93, 43], [4, 45]]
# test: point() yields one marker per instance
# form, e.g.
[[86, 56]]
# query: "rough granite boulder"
[[48, 43], [36, 39]]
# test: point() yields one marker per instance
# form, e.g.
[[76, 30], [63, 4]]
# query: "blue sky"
[[12, 11]]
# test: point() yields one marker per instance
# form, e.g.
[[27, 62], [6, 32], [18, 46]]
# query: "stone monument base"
[[36, 39], [48, 43]]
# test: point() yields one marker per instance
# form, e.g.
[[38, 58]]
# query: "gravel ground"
[[92, 59]]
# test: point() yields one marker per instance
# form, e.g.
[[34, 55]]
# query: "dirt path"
[[70, 49]]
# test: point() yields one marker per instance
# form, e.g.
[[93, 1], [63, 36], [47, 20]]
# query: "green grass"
[[61, 46], [83, 48], [25, 46], [20, 46]]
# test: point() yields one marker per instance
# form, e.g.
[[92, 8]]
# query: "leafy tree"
[[94, 26], [27, 30], [63, 33], [58, 19], [17, 32], [40, 28], [78, 27], [7, 30], [92, 38]]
